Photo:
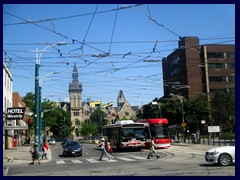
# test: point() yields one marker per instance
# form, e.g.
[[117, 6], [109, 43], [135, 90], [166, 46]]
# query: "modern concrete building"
[[193, 69]]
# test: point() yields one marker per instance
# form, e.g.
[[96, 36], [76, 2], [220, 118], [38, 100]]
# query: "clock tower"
[[75, 93]]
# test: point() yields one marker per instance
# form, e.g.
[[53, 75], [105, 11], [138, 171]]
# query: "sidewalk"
[[21, 155]]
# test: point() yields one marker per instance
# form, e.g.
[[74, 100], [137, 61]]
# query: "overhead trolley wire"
[[68, 17]]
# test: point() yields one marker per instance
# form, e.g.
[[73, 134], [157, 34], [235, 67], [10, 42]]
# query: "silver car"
[[224, 155], [51, 141]]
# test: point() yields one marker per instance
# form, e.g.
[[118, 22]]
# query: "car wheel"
[[224, 159]]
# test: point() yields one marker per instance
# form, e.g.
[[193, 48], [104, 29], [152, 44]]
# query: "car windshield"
[[72, 144], [232, 144]]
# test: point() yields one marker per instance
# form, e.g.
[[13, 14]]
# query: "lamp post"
[[38, 120], [182, 110], [159, 106], [40, 92]]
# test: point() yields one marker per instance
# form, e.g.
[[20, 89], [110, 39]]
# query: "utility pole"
[[38, 118], [37, 108]]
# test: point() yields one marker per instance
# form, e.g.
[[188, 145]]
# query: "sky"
[[115, 46]]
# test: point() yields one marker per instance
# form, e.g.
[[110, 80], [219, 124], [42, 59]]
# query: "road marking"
[[6, 172], [92, 160], [60, 162], [125, 159], [76, 161], [109, 160], [95, 160], [138, 157], [86, 153]]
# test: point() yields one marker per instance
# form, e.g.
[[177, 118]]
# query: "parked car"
[[72, 148], [224, 155], [52, 141]]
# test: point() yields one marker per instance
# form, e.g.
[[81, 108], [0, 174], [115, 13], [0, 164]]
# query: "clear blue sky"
[[127, 36]]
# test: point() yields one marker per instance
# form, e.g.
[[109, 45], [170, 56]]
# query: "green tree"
[[223, 110], [88, 128], [98, 117], [195, 111], [59, 122], [29, 99]]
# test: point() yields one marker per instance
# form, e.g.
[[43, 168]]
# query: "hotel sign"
[[15, 113]]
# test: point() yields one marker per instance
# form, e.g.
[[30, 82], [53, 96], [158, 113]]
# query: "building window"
[[230, 65], [175, 72], [231, 78], [216, 65], [217, 79], [75, 113], [74, 101], [214, 91], [215, 55], [230, 55]]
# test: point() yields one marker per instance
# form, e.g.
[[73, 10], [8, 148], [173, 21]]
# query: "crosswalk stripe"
[[60, 162], [125, 159], [111, 160], [138, 157], [92, 160], [76, 161], [95, 160]]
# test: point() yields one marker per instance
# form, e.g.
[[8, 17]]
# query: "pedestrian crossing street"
[[104, 159]]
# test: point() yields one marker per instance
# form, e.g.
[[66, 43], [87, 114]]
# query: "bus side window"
[[147, 132]]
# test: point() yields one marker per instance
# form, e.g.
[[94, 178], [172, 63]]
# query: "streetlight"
[[38, 120], [183, 123], [159, 106], [181, 101], [40, 97]]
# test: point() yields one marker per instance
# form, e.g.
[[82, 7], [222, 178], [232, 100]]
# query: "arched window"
[[77, 122], [74, 101]]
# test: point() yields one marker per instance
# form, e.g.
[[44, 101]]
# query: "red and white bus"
[[126, 135], [157, 128]]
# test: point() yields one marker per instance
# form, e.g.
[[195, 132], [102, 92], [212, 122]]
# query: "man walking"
[[152, 149]]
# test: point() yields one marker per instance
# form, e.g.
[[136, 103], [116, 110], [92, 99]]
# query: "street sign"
[[184, 124], [212, 129], [15, 113]]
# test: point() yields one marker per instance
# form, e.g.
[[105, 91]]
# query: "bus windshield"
[[133, 133], [159, 130]]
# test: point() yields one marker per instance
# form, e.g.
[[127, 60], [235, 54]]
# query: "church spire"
[[75, 73], [121, 99], [75, 85]]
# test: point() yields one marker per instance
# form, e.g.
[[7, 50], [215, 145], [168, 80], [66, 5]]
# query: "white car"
[[224, 155], [51, 141]]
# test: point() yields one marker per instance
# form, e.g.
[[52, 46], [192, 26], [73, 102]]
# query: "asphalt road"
[[175, 161]]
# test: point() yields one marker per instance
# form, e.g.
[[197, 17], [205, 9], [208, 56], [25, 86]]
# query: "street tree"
[[197, 110], [223, 110], [59, 122], [88, 128], [29, 99], [98, 117]]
